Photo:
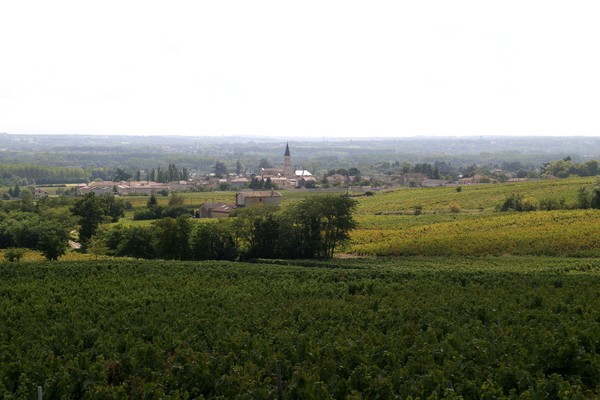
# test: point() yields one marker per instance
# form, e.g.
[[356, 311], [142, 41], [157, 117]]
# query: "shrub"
[[516, 202], [553, 204], [454, 208], [14, 254], [148, 213]]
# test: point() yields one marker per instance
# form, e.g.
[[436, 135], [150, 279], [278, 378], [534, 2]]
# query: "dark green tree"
[[16, 193], [121, 175], [257, 183], [171, 238], [90, 212], [213, 242], [112, 207], [321, 224], [220, 169], [266, 239], [136, 241], [264, 163], [268, 184], [53, 240], [152, 201]]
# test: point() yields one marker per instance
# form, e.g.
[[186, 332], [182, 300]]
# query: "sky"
[[300, 69]]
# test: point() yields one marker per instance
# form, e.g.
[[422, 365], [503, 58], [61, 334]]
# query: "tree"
[[213, 242], [136, 241], [268, 184], [257, 183], [121, 175], [220, 169], [266, 239], [152, 201], [90, 211], [171, 238], [584, 197], [16, 193], [264, 163], [176, 200], [53, 240], [321, 224], [238, 167], [112, 207], [97, 247]]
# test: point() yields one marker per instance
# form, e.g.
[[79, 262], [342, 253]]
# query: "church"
[[287, 177]]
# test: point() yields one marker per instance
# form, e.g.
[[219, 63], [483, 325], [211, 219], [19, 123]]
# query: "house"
[[412, 179], [337, 179], [215, 210], [39, 194], [181, 185], [270, 197], [123, 188], [477, 178], [303, 177], [97, 189], [436, 183], [283, 183], [239, 182]]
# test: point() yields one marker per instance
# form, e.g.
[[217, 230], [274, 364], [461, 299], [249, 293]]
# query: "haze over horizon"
[[326, 69]]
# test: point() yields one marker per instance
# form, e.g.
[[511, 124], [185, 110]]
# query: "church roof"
[[287, 150]]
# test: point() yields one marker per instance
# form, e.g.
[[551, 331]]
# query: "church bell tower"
[[288, 169]]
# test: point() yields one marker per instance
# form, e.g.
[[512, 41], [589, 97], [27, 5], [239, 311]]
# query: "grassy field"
[[508, 327]]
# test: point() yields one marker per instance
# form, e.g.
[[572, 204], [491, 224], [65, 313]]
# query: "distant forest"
[[78, 158]]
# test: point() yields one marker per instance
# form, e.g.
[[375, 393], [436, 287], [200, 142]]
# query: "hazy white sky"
[[303, 68]]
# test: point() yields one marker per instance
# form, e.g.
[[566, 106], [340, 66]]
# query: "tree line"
[[312, 228]]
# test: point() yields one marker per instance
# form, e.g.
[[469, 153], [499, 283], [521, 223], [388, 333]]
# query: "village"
[[267, 186]]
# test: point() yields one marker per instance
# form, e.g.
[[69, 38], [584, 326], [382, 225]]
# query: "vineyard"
[[467, 223], [473, 198], [513, 327], [553, 233]]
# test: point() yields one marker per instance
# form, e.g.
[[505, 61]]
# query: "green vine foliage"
[[419, 327]]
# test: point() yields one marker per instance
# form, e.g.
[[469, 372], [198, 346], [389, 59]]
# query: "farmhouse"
[[303, 177], [412, 179], [475, 179], [436, 183], [239, 182], [215, 210], [337, 179], [39, 194], [271, 197]]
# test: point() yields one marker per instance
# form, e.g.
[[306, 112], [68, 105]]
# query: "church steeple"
[[288, 169]]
